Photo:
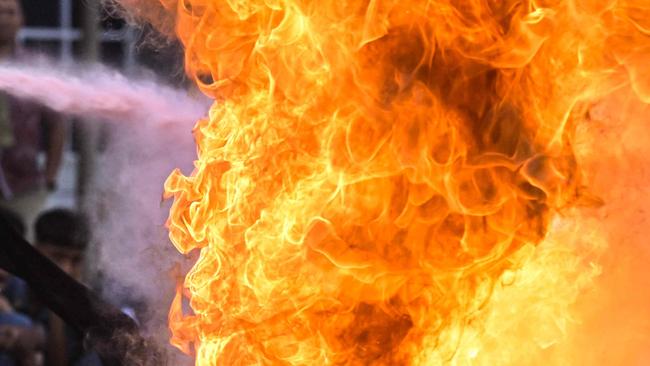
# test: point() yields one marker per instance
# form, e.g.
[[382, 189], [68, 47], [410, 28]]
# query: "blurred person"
[[25, 129], [62, 235], [15, 289], [21, 341]]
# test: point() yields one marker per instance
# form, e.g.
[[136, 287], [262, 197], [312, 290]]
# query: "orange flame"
[[381, 182]]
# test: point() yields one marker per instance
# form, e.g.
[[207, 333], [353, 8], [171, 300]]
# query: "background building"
[[88, 31]]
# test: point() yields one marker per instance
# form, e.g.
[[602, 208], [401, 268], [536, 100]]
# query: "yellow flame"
[[392, 182]]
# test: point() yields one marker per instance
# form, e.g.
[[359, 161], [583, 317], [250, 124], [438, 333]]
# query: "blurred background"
[[87, 31], [88, 193]]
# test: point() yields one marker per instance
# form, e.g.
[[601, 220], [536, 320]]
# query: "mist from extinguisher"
[[147, 126], [99, 93]]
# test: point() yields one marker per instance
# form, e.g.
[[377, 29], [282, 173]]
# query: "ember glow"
[[394, 182]]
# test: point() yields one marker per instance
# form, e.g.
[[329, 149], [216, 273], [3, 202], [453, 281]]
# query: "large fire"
[[393, 182]]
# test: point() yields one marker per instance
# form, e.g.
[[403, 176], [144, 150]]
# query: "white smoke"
[[134, 252], [149, 134]]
